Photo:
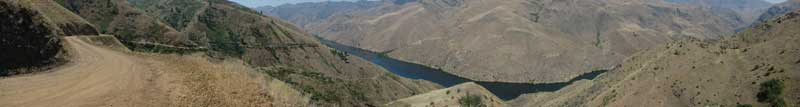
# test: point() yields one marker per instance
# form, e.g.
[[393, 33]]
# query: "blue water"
[[505, 91]]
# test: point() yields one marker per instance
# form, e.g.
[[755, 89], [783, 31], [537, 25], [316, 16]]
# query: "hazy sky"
[[256, 3]]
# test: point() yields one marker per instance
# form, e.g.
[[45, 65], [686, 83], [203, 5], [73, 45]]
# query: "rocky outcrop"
[[27, 39]]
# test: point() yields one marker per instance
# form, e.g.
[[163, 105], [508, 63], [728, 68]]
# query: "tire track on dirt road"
[[95, 77]]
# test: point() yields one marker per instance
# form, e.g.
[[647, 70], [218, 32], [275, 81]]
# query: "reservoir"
[[505, 91]]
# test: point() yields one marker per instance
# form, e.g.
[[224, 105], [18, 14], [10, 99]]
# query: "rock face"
[[27, 40], [779, 10], [535, 41], [726, 72], [274, 47]]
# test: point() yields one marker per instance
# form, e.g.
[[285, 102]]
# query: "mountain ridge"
[[779, 10], [225, 30], [726, 72], [514, 39]]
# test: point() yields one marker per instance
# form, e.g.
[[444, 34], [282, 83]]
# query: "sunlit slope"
[[225, 30], [728, 72]]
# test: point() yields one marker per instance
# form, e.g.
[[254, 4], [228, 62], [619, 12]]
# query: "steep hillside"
[[28, 39], [226, 30], [759, 66], [305, 13], [68, 23], [779, 10], [130, 25], [741, 12], [534, 41]]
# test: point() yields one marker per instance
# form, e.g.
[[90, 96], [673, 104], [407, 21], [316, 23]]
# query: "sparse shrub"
[[342, 55], [744, 105], [323, 96], [609, 98], [316, 93], [471, 101], [771, 93], [779, 103]]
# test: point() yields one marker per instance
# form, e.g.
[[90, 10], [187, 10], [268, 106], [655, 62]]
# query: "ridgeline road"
[[95, 77], [99, 76]]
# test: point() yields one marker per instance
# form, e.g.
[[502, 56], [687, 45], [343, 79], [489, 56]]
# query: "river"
[[506, 91]]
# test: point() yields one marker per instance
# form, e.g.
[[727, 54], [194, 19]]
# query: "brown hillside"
[[729, 72], [451, 96], [535, 41], [276, 48], [779, 10], [741, 13], [128, 24], [68, 23]]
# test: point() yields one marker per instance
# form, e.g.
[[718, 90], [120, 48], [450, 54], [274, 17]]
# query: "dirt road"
[[98, 76]]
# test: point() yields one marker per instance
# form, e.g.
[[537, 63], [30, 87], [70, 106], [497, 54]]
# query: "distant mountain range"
[[531, 41], [779, 10]]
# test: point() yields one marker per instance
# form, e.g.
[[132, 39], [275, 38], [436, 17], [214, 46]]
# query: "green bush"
[[744, 105], [471, 101], [342, 55], [779, 103], [771, 93]]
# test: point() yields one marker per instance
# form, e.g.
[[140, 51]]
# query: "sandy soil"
[[99, 76]]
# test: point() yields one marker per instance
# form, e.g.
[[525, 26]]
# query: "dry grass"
[[231, 31], [68, 23], [725, 72], [466, 93]]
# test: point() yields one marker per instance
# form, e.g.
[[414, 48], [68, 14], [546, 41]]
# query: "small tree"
[[771, 93], [471, 101]]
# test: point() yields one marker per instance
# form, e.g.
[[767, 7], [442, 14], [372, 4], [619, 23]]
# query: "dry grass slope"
[[525, 41], [230, 31], [467, 93], [726, 72], [68, 23]]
